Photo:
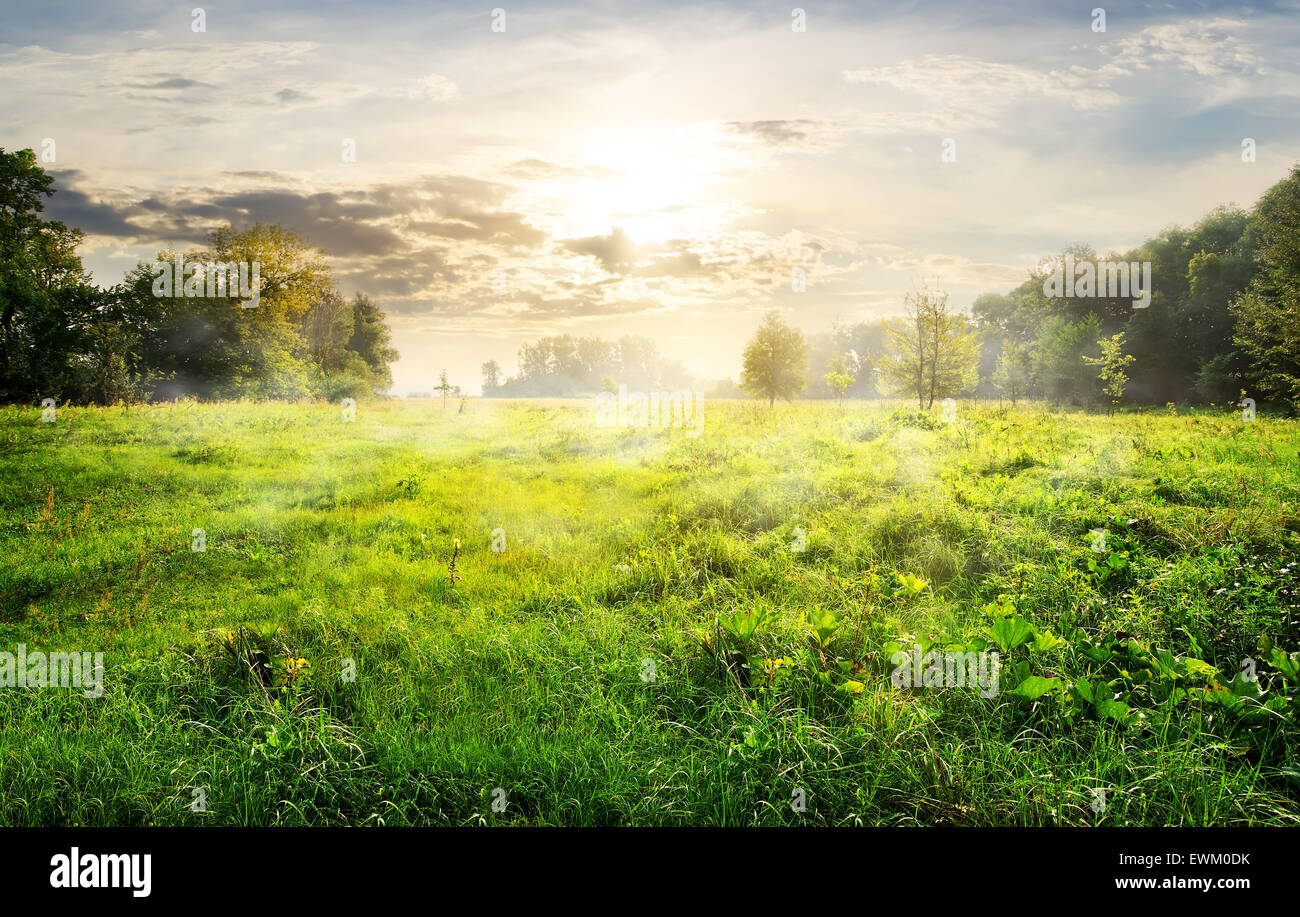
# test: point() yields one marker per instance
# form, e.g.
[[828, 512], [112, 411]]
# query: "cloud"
[[80, 211], [615, 252], [970, 83], [172, 82], [1209, 48], [347, 223], [775, 132], [686, 264], [431, 88]]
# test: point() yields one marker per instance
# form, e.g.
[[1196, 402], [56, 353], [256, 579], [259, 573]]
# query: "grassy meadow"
[[650, 647]]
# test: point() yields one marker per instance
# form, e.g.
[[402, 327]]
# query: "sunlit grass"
[[621, 546]]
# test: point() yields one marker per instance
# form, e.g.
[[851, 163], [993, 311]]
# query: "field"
[[678, 631]]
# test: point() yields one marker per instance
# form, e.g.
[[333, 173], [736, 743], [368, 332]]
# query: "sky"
[[665, 170]]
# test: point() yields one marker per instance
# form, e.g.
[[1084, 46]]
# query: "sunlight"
[[653, 186]]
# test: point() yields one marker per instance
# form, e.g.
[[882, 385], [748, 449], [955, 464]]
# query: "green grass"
[[332, 541]]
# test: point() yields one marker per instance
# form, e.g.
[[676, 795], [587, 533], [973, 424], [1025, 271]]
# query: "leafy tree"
[[327, 329], [904, 362], [1268, 314], [371, 339], [46, 300], [1011, 377], [837, 378], [1113, 363], [775, 361], [859, 343], [102, 368], [491, 376], [1058, 366], [933, 351]]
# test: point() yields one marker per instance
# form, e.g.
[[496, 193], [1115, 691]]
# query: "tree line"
[[159, 336], [564, 366], [1212, 314]]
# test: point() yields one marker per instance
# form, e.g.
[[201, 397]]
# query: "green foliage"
[[775, 361], [1112, 364], [932, 352], [1060, 368], [61, 337], [837, 378], [1268, 314], [1012, 375]]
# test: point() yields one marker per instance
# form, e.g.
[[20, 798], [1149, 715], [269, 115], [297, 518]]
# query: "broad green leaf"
[[1045, 641], [1034, 687], [1009, 633]]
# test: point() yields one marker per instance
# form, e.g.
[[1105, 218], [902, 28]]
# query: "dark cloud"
[[357, 223], [80, 211], [173, 82], [615, 252], [400, 277], [687, 264], [775, 132]]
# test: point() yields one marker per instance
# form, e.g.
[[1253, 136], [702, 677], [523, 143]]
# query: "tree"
[[1113, 362], [371, 338], [858, 343], [837, 377], [1268, 314], [46, 301], [1058, 367], [1011, 376], [327, 328], [904, 360], [103, 375], [932, 353], [491, 376], [445, 387], [774, 361]]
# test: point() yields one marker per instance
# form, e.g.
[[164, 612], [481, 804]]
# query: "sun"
[[656, 187]]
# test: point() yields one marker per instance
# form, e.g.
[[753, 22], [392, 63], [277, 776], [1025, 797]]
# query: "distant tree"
[[609, 384], [1011, 376], [932, 352], [491, 376], [837, 377], [859, 342], [1113, 364], [725, 388], [775, 361], [445, 387], [1268, 314]]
